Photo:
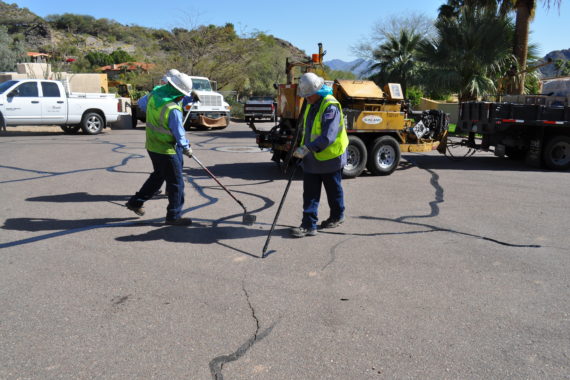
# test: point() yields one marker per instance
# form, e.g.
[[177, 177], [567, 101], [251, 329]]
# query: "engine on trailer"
[[429, 124]]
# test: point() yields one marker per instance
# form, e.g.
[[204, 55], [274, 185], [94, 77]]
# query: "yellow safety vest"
[[339, 144], [159, 137]]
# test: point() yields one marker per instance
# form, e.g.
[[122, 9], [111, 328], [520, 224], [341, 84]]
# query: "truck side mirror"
[[13, 93]]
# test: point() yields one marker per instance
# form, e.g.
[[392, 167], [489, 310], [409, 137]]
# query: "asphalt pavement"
[[442, 270]]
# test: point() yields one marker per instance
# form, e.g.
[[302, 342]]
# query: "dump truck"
[[380, 124]]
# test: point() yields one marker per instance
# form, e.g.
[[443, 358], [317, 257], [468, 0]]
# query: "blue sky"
[[303, 23]]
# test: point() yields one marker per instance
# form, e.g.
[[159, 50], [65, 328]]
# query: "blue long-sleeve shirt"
[[330, 125], [175, 121]]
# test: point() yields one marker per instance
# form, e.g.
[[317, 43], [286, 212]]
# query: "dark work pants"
[[167, 167], [312, 196]]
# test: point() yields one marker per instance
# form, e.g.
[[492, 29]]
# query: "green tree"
[[524, 11], [11, 51], [194, 46], [97, 58], [470, 53], [397, 59], [562, 67], [120, 56], [387, 28]]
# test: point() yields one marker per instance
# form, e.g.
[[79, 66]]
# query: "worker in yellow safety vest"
[[166, 144], [323, 151]]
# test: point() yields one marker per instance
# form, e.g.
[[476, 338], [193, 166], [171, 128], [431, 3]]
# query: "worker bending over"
[[166, 143], [323, 150]]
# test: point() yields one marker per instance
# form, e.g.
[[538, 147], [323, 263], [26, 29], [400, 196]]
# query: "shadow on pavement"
[[48, 224], [30, 133], [255, 171], [202, 233], [472, 163], [79, 197]]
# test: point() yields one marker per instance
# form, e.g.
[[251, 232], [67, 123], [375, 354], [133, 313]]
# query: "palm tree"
[[524, 14], [470, 53], [524, 9], [396, 58]]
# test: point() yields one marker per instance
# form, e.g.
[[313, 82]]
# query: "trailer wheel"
[[556, 154], [92, 123], [384, 156], [515, 153], [70, 129], [356, 156]]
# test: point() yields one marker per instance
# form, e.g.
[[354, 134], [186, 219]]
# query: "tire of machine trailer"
[[356, 156], [92, 123], [70, 129], [384, 156], [556, 153], [515, 153]]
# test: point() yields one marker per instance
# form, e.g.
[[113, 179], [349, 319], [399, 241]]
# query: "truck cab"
[[25, 102], [208, 108], [48, 102]]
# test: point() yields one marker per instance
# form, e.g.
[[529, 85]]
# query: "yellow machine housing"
[[367, 107], [376, 120]]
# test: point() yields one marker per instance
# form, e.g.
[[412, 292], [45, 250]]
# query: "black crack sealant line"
[[109, 223], [47, 174], [434, 211], [217, 364], [434, 206], [130, 223]]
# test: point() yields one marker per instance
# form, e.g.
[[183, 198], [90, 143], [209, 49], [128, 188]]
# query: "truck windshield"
[[6, 85], [201, 85]]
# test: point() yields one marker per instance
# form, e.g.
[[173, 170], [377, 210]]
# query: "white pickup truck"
[[46, 102]]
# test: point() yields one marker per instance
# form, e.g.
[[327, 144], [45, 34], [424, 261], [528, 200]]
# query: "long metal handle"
[[279, 210], [219, 183]]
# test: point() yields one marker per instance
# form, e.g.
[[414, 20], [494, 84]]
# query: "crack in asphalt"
[[333, 252], [217, 364], [434, 211]]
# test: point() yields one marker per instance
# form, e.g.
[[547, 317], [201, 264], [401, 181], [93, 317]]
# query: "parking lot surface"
[[442, 270]]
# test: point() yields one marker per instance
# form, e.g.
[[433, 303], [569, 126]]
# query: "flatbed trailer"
[[531, 127]]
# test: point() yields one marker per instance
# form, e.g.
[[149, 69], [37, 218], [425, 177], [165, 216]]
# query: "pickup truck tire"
[[92, 123], [356, 157], [556, 153], [70, 129], [384, 156]]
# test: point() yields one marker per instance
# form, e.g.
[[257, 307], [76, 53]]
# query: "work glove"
[[301, 152], [187, 151]]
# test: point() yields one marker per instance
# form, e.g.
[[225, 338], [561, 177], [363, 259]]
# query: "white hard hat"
[[309, 84], [179, 81], [171, 72]]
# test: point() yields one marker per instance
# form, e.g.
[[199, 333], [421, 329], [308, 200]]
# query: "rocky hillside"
[[550, 70], [246, 64], [25, 24]]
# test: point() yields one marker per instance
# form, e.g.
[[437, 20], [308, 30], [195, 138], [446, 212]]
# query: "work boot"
[[137, 210], [300, 232], [178, 222], [332, 223]]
